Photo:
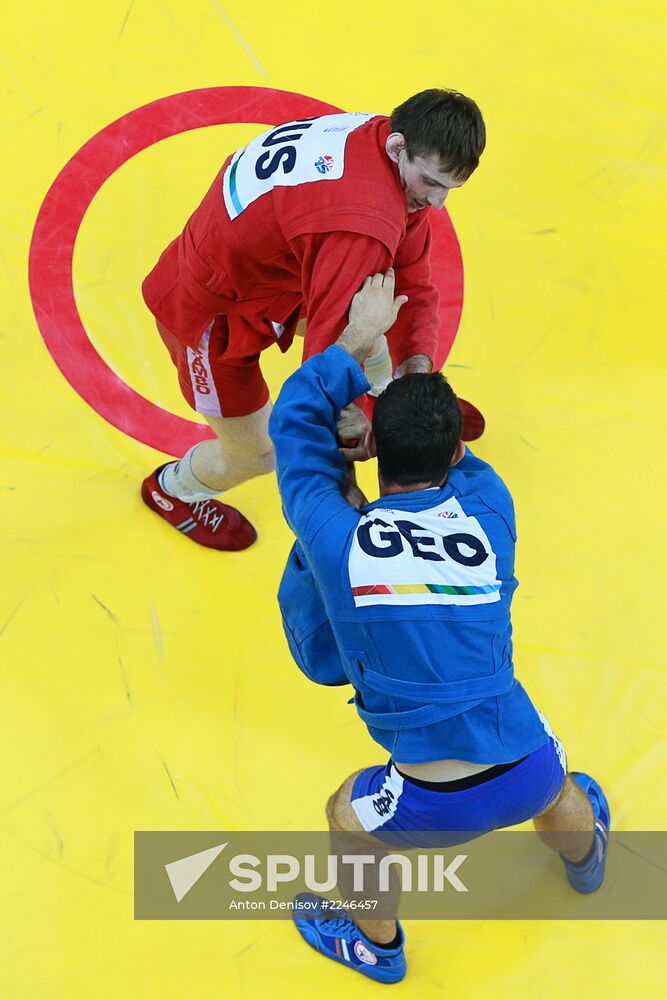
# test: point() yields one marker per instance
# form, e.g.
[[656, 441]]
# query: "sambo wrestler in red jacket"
[[290, 228]]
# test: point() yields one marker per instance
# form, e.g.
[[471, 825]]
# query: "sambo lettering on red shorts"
[[204, 392], [213, 385]]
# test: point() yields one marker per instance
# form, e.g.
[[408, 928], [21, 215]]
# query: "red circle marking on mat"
[[67, 201]]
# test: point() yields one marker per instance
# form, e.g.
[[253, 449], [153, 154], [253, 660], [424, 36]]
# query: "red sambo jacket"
[[293, 224]]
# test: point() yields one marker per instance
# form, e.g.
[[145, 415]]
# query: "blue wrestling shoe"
[[330, 931], [587, 875]]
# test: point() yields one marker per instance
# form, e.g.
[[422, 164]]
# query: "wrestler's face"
[[424, 182]]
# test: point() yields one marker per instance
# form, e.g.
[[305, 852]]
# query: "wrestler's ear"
[[369, 443], [394, 144], [459, 452]]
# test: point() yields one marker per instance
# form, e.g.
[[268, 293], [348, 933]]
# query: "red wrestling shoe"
[[473, 421], [207, 522]]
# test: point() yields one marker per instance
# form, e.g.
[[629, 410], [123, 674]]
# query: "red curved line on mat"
[[447, 274], [68, 199]]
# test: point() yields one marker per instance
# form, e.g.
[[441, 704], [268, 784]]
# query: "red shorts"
[[212, 384]]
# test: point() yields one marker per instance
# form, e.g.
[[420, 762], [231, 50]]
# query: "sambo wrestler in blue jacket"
[[408, 600]]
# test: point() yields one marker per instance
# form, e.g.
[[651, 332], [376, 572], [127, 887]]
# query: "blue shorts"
[[386, 802]]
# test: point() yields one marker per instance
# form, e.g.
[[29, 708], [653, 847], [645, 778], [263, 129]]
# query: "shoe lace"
[[335, 924], [206, 511]]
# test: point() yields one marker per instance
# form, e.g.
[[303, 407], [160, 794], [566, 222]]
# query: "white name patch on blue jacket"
[[312, 149], [437, 556]]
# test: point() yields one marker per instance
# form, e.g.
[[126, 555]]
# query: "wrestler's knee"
[[339, 809], [330, 810]]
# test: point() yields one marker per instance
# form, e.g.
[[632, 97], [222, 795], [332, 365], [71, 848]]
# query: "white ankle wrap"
[[178, 480]]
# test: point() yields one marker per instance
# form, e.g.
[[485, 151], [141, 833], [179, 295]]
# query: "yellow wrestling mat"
[[145, 681]]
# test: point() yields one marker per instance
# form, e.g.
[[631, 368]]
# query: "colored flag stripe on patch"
[[233, 194], [421, 588]]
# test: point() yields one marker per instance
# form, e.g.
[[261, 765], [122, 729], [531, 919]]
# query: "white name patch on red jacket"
[[435, 556], [312, 149]]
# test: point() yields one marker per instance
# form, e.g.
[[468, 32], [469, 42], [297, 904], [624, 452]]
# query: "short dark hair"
[[444, 123], [417, 426]]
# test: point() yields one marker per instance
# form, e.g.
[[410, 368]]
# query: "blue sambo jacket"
[[407, 599]]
